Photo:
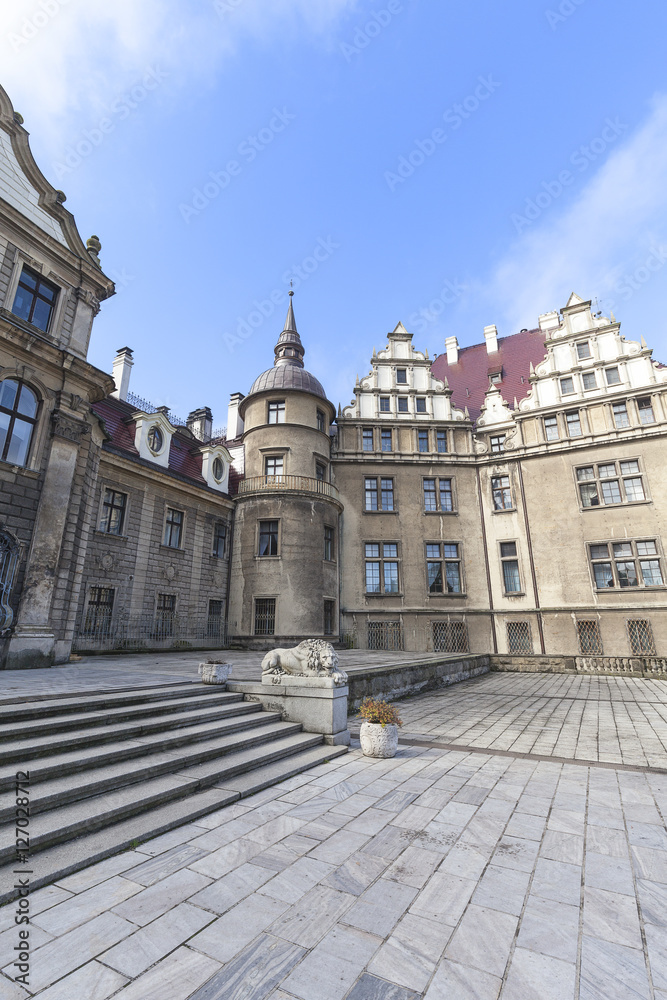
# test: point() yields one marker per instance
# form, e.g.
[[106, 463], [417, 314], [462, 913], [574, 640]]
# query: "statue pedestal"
[[319, 704]]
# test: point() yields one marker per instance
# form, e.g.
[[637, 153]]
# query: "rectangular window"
[[165, 612], [402, 405], [329, 617], [381, 567], [438, 495], [612, 376], [371, 490], [573, 422], [602, 484], [502, 494], [113, 512], [450, 637], [422, 440], [214, 621], [219, 539], [277, 412], [640, 635], [498, 443], [173, 528], [321, 421], [519, 639], [621, 418], [420, 405], [551, 428], [443, 567], [385, 495], [584, 350], [367, 438], [268, 538], [590, 639], [495, 378], [590, 381], [273, 465], [566, 386], [329, 538], [99, 611], [320, 472], [626, 564], [401, 376], [385, 436], [645, 407], [441, 441], [265, 616], [510, 564], [385, 405], [35, 299]]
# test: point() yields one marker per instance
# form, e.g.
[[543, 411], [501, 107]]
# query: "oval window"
[[155, 439], [218, 469]]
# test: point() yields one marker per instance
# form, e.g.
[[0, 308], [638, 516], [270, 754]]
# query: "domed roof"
[[288, 377], [288, 371]]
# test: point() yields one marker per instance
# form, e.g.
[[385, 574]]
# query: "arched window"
[[9, 557], [18, 416]]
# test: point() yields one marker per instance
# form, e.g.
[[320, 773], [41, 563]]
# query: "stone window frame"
[[277, 407], [422, 435], [589, 351], [321, 419], [635, 557], [441, 431], [438, 495], [386, 434], [164, 617], [332, 540], [89, 624], [444, 560], [36, 433], [402, 381], [218, 536], [106, 488], [381, 559], [621, 405], [279, 538], [21, 260], [617, 476], [497, 443], [574, 418], [379, 491], [501, 487], [270, 614], [367, 434], [589, 636], [329, 612], [644, 409], [509, 558], [513, 629], [549, 423]]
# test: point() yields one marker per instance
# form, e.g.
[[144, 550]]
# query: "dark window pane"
[[402, 405], [453, 578], [603, 575], [435, 577], [511, 576], [507, 549]]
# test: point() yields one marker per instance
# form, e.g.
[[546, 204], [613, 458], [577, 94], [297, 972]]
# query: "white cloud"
[[67, 60], [610, 230]]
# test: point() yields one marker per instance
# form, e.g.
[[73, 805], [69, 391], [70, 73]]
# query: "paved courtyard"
[[472, 873]]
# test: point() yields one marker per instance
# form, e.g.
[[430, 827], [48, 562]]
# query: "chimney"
[[491, 338], [200, 422], [452, 346], [122, 366], [234, 422]]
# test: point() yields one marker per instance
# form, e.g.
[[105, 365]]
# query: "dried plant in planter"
[[379, 712]]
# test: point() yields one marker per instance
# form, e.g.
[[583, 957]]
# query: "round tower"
[[284, 585]]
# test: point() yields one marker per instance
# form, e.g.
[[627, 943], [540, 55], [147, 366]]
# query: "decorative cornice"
[[68, 427]]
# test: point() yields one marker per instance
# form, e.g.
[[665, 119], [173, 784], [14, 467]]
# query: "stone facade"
[[504, 499]]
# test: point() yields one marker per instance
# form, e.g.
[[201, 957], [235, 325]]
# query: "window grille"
[[265, 616], [590, 639], [214, 626], [519, 639], [99, 611], [329, 617], [450, 637], [387, 636], [9, 557], [640, 634], [164, 615]]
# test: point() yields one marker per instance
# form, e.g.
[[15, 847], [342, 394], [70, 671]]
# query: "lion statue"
[[311, 658]]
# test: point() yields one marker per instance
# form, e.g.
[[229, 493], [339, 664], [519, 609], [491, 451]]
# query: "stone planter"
[[215, 673], [377, 740]]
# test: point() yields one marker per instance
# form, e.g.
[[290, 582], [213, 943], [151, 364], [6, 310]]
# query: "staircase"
[[111, 769]]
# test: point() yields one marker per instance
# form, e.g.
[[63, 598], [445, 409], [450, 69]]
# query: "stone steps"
[[106, 776]]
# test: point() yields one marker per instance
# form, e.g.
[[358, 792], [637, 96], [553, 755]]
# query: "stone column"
[[33, 641]]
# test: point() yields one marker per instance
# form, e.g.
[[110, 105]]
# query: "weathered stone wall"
[[405, 679]]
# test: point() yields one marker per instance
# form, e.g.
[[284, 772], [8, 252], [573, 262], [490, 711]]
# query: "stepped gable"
[[471, 372], [115, 413]]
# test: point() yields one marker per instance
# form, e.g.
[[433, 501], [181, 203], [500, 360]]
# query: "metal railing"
[[160, 631], [277, 484]]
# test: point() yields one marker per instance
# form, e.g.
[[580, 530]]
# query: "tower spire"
[[289, 349]]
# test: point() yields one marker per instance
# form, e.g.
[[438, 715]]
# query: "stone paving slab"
[[439, 874]]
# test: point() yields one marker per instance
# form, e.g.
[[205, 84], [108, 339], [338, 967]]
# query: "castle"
[[507, 497]]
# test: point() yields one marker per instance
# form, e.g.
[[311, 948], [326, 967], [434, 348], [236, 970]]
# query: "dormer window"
[[495, 377], [155, 439], [218, 469], [584, 350], [401, 376], [35, 299]]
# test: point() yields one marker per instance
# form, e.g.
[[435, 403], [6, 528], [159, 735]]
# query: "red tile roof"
[[469, 377]]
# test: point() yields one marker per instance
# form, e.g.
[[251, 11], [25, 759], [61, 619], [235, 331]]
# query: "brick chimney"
[[122, 366]]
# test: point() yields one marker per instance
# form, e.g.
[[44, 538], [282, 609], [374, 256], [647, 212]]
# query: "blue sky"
[[447, 165]]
